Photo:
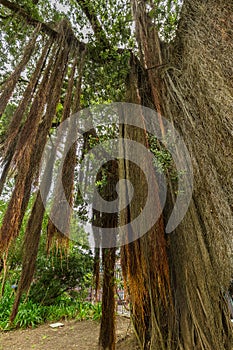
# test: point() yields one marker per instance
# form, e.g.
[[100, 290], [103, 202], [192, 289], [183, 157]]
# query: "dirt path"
[[74, 335]]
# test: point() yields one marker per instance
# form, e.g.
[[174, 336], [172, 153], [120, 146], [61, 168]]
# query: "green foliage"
[[164, 163], [56, 275], [5, 120], [105, 83], [165, 14], [89, 311], [32, 314], [6, 303], [53, 295], [29, 7], [163, 159], [29, 315]]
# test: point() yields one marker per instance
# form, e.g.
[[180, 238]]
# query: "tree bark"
[[107, 338], [194, 90], [144, 260], [197, 98]]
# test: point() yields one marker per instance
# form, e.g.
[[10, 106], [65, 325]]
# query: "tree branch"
[[157, 66], [21, 12], [95, 23], [49, 30], [46, 28]]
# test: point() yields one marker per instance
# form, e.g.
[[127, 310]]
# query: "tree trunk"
[[198, 79], [107, 327], [194, 90], [144, 260]]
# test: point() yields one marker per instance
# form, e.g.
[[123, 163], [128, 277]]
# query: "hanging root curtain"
[[11, 82], [144, 261], [31, 124], [60, 237]]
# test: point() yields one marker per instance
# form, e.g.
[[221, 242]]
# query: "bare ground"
[[74, 335]]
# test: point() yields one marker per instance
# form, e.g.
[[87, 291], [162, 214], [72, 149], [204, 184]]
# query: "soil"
[[81, 335]]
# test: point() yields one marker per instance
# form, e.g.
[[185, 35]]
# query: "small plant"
[[89, 311], [97, 312], [5, 307], [29, 315]]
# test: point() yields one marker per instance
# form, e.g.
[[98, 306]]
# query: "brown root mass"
[[11, 82]]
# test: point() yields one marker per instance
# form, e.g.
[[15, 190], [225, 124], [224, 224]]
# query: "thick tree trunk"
[[198, 99], [194, 90], [144, 260]]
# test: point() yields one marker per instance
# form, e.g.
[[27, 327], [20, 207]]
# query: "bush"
[[31, 314], [55, 276], [53, 295]]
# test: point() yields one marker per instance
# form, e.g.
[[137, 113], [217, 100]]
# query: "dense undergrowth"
[[32, 314]]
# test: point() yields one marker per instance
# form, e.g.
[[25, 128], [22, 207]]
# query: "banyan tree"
[[174, 58]]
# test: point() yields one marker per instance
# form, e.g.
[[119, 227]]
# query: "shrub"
[[32, 314], [56, 275]]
